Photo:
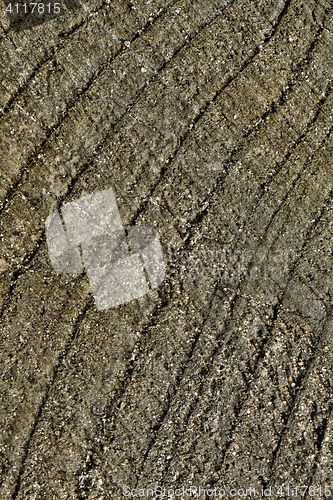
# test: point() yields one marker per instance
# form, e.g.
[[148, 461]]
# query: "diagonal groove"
[[292, 186], [205, 370], [48, 390], [172, 157], [229, 82], [28, 260], [320, 443], [53, 51], [276, 309], [62, 358], [85, 167], [269, 330], [46, 395], [304, 246], [295, 400], [262, 119], [220, 179], [239, 147], [298, 141], [72, 31], [85, 88], [178, 378], [164, 170]]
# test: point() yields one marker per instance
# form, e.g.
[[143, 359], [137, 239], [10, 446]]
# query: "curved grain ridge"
[[212, 122]]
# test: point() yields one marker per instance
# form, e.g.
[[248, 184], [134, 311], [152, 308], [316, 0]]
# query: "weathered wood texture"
[[212, 122]]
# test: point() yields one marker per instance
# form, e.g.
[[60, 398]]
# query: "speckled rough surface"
[[212, 121]]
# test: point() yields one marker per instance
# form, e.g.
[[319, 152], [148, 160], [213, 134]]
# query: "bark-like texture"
[[212, 121]]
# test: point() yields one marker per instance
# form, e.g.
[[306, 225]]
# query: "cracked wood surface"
[[212, 122]]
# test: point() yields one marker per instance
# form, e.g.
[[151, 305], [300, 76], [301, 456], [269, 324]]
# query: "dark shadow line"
[[276, 309], [49, 132], [46, 395]]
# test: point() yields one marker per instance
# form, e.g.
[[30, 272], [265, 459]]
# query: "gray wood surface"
[[211, 121]]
